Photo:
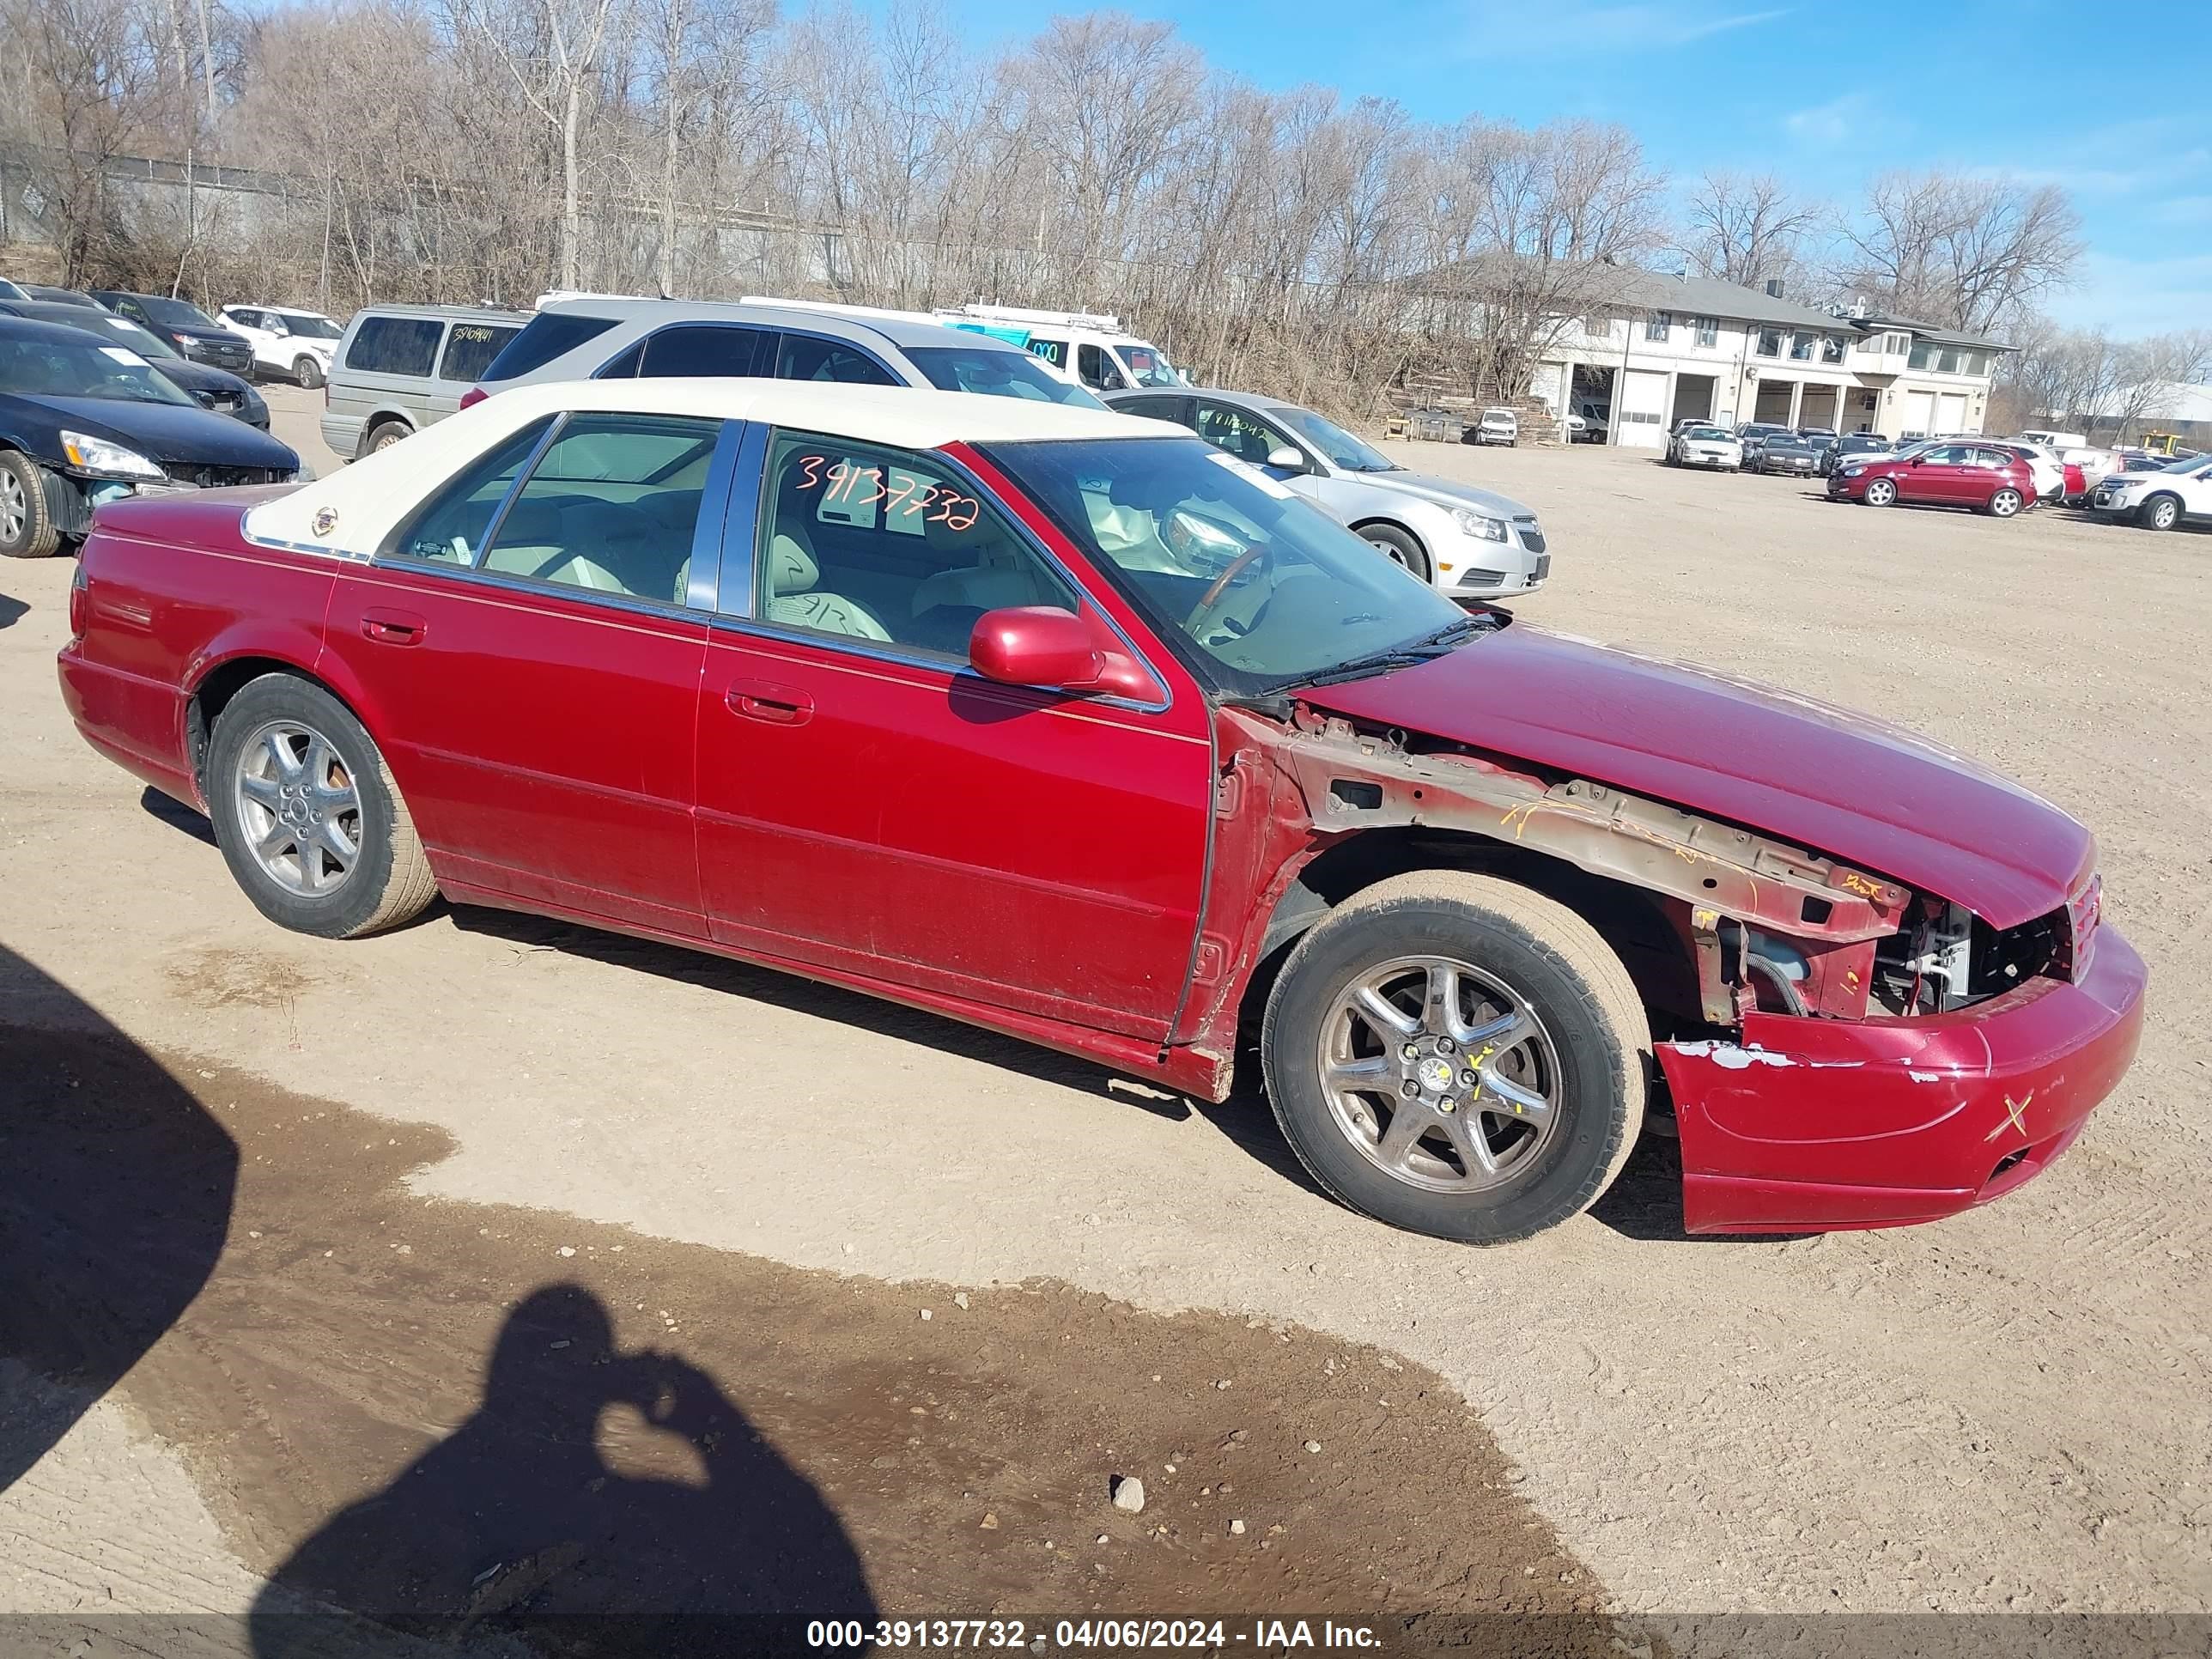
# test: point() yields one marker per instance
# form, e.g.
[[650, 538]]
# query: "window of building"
[[1831, 350], [1770, 342], [1973, 362], [1709, 331], [1658, 325], [1924, 356], [881, 544], [1948, 363], [1802, 346]]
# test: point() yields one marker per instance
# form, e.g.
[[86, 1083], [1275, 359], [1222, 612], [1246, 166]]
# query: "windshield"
[[1352, 455], [144, 341], [1261, 585], [175, 313], [1148, 364], [2186, 464], [308, 325], [1710, 434], [53, 366], [996, 373]]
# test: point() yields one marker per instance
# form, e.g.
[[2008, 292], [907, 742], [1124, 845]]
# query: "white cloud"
[[1577, 29], [1830, 125], [2138, 296]]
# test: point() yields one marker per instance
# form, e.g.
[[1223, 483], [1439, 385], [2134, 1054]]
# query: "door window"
[[806, 357], [887, 545], [452, 529], [1096, 370], [470, 348], [709, 349], [611, 507], [1243, 435], [1154, 409]]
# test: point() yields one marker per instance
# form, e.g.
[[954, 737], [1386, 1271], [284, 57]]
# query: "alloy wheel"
[[1439, 1073], [300, 808], [15, 510], [1397, 554], [2163, 514]]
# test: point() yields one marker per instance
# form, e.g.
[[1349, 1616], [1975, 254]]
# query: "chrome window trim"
[[748, 622]]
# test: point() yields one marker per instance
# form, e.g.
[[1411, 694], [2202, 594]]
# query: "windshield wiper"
[[1427, 648]]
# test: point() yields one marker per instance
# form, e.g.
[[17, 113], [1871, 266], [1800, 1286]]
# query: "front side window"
[[1239, 432], [863, 542], [1260, 586], [709, 349], [470, 348], [395, 345], [808, 357], [611, 507], [1351, 453], [995, 373], [303, 324], [1770, 342], [1096, 370], [453, 530]]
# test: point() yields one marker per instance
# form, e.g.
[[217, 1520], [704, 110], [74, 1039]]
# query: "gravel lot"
[[2005, 1411]]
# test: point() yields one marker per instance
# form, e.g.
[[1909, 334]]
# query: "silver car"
[[595, 337], [1467, 542]]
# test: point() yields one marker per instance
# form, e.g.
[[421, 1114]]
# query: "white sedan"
[[1705, 445], [2160, 499], [295, 343]]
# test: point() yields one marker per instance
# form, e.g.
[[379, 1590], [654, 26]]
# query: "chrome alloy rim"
[[14, 511], [1440, 1073], [300, 808], [1397, 555]]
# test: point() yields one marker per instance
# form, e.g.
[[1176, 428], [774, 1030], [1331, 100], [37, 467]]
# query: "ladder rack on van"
[[1094, 319]]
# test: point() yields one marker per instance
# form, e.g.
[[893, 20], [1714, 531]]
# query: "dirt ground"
[[2003, 1412]]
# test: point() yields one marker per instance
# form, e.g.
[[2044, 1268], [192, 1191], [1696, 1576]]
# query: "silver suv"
[[1464, 541], [589, 337]]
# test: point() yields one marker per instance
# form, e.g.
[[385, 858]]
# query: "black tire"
[[389, 880], [2159, 513], [2006, 503], [27, 527], [307, 372], [383, 435], [1583, 1001], [1399, 546], [1885, 497]]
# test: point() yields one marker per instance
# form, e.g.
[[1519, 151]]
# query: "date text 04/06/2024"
[[1202, 1635]]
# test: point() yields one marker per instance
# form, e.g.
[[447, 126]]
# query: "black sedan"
[[210, 388], [83, 422], [1851, 447], [1785, 453], [185, 326]]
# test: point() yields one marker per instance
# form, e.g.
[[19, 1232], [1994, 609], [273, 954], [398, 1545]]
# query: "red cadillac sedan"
[[1961, 473], [1058, 722]]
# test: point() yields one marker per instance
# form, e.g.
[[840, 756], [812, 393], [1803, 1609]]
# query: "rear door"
[[531, 661]]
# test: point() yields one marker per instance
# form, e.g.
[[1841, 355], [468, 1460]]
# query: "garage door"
[[1919, 415], [1642, 409], [1951, 412]]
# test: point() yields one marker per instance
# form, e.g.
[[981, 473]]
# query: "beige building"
[[1678, 348]]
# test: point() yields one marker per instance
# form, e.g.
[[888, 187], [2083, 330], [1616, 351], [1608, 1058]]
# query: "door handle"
[[393, 627], [764, 699]]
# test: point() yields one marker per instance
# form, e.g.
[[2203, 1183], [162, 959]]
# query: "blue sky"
[[2113, 108]]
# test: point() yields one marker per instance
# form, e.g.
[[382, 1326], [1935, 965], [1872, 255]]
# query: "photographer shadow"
[[517, 1525]]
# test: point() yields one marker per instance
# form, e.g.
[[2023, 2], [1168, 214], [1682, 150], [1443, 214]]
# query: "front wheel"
[[1457, 1055], [307, 816], [2159, 512], [1400, 548], [1880, 492], [27, 528], [307, 372], [2005, 503]]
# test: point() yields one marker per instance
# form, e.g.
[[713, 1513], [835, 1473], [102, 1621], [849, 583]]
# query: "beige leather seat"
[[795, 601], [995, 576]]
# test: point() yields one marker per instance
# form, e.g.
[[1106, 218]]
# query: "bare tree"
[[1747, 229], [1962, 252]]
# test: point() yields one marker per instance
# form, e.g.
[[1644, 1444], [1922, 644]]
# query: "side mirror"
[[1287, 458], [1052, 649], [278, 328]]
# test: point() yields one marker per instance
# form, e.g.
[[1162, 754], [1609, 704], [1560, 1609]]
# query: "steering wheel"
[[1211, 597]]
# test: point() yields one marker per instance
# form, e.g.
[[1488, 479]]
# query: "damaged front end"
[[1845, 1051]]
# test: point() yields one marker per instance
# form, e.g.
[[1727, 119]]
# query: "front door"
[[530, 666], [868, 803], [1934, 475]]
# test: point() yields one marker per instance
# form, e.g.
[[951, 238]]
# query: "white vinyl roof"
[[350, 513]]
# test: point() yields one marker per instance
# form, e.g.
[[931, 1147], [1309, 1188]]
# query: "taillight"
[[80, 599], [473, 396]]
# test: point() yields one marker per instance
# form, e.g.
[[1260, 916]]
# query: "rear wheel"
[[1401, 547], [383, 435], [307, 816], [307, 371], [2159, 512], [1458, 1056], [1880, 492], [27, 528], [2005, 503]]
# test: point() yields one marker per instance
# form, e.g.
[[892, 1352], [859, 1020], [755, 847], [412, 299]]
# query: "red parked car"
[[1054, 721], [1959, 474]]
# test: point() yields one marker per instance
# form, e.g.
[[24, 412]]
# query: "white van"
[[1091, 346]]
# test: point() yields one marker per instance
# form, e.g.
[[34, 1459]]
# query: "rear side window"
[[806, 358], [395, 345], [451, 530], [548, 335], [709, 349], [470, 348]]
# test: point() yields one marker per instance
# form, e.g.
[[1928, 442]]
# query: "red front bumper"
[[1809, 1125]]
